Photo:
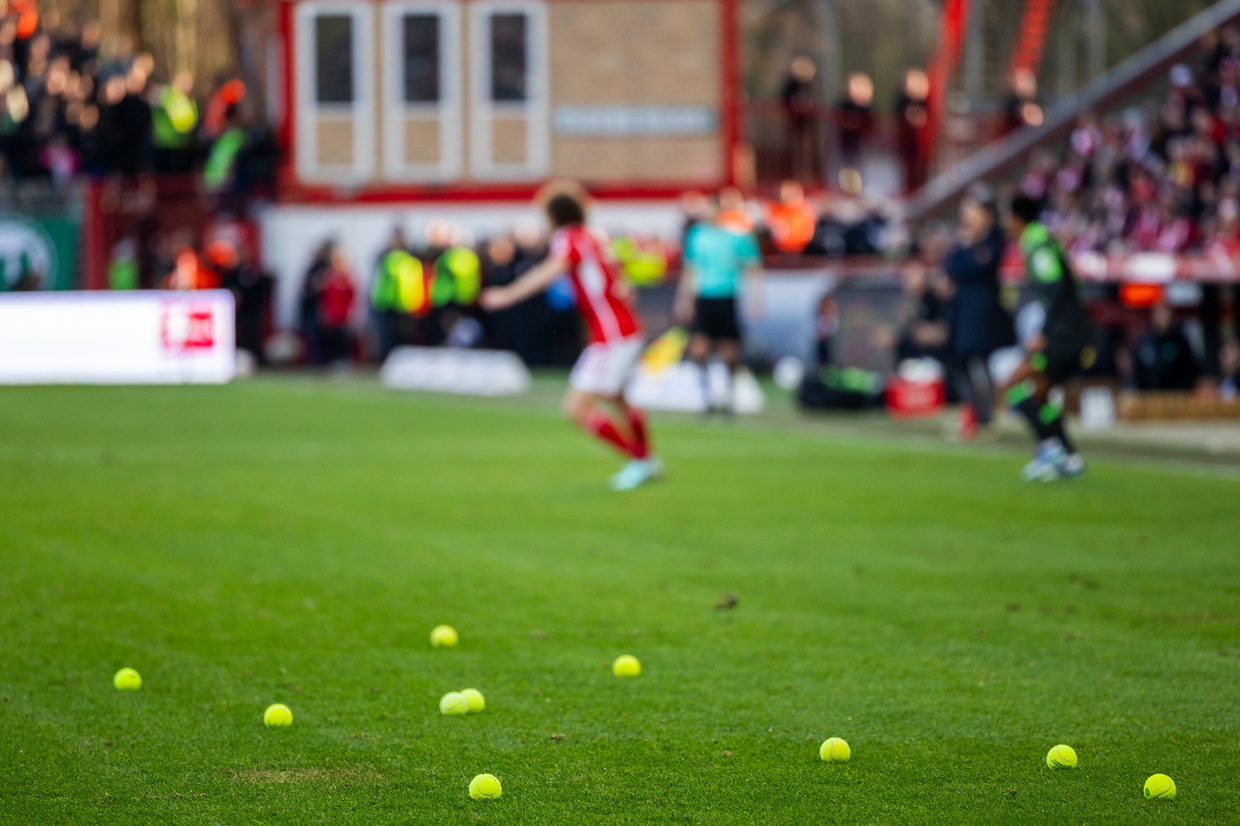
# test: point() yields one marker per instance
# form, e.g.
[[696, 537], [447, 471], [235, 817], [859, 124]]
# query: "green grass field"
[[292, 540]]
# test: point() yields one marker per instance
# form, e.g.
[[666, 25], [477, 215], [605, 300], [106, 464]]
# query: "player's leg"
[[589, 384], [1061, 364], [636, 419], [645, 466], [1026, 392], [587, 411], [698, 351], [729, 350]]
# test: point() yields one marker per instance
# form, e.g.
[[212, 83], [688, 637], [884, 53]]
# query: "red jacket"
[[336, 296]]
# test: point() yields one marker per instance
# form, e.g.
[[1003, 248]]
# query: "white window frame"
[[396, 110], [534, 109], [310, 112]]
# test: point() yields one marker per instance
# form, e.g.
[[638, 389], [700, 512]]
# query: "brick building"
[[408, 112], [409, 99]]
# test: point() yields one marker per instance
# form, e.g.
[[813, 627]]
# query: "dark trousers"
[[971, 375]]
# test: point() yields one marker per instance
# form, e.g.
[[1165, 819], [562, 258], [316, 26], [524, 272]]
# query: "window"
[[509, 127], [334, 87], [333, 58], [422, 111], [509, 66], [421, 53]]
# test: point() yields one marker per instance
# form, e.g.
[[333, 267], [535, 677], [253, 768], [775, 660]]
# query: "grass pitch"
[[295, 541]]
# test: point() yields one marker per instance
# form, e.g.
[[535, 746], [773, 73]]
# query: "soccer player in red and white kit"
[[598, 379]]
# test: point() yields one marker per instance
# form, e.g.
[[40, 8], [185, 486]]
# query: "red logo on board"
[[185, 328]]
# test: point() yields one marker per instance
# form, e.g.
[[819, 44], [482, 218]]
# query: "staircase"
[[1106, 91]]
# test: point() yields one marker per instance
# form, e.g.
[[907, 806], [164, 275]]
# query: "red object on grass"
[[912, 399]]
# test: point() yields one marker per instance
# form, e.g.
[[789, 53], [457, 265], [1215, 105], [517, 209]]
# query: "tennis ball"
[[277, 714], [626, 665], [1061, 757], [444, 636], [485, 787], [475, 699], [1160, 786], [454, 702], [127, 680], [834, 750]]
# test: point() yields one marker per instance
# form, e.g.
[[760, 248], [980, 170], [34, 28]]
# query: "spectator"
[[335, 306], [398, 289], [1163, 358], [912, 116], [251, 289], [1022, 108], [174, 119], [924, 317], [733, 211], [979, 324], [799, 102], [189, 272], [1229, 370], [791, 221], [696, 208], [855, 118], [826, 328], [308, 305], [123, 268]]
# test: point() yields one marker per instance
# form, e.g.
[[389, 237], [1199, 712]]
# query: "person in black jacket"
[[979, 324], [1163, 358]]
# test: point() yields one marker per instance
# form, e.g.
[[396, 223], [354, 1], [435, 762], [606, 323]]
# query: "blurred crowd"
[[1171, 183], [854, 124], [68, 107], [1164, 181], [426, 294]]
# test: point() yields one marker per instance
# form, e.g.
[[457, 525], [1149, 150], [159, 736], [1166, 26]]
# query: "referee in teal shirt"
[[716, 261]]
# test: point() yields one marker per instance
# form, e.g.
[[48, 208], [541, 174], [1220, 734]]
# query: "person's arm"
[[751, 261], [535, 280], [753, 289], [682, 305]]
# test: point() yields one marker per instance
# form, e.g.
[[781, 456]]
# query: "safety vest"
[[399, 284], [223, 158], [173, 119], [458, 277], [643, 264]]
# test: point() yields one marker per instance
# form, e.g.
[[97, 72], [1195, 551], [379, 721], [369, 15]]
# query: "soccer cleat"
[[636, 473], [1072, 466], [1046, 464]]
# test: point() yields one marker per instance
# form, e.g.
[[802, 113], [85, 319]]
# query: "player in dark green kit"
[[1062, 348]]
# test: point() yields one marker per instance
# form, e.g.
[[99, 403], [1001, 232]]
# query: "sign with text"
[[147, 337], [634, 121]]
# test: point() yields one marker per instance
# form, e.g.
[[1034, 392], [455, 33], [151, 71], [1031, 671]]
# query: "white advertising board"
[[449, 370], [147, 337]]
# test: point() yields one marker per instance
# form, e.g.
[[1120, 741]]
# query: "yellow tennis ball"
[[1160, 786], [127, 680], [277, 714], [626, 665], [454, 702], [485, 787], [1061, 757], [444, 636], [475, 699], [834, 750]]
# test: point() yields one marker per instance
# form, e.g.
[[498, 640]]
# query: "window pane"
[[508, 57], [333, 54], [422, 58]]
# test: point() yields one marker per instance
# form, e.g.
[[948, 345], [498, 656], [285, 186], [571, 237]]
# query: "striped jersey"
[[594, 276]]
